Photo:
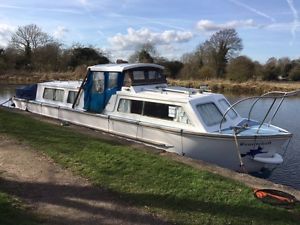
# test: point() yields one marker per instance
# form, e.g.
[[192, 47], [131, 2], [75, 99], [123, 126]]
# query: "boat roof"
[[167, 93], [122, 66], [63, 84]]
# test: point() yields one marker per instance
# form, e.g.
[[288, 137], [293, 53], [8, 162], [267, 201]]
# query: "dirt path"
[[59, 196]]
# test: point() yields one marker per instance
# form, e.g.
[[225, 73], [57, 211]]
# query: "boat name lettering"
[[256, 144]]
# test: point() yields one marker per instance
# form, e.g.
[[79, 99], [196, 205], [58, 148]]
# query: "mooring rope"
[[242, 165]]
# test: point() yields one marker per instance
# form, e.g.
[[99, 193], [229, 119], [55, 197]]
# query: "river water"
[[288, 117], [6, 92]]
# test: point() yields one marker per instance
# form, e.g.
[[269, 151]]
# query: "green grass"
[[13, 213], [173, 190]]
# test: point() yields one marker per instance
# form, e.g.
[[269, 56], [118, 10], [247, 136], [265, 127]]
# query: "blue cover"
[[28, 92], [94, 101]]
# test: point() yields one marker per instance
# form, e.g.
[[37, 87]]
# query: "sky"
[[268, 28]]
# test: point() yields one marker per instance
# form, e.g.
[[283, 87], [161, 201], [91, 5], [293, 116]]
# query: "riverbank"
[[36, 77], [175, 188], [240, 88], [216, 85]]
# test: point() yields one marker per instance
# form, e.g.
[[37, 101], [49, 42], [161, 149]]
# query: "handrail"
[[272, 94], [279, 105], [269, 110], [262, 96], [231, 107]]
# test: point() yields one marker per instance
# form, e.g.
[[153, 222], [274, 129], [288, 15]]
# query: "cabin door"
[[94, 92], [100, 86], [113, 83]]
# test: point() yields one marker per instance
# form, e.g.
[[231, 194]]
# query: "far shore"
[[216, 85], [248, 88]]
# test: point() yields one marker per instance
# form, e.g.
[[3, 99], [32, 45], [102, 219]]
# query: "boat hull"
[[215, 148]]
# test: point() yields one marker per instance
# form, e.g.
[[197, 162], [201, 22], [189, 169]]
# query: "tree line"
[[31, 49]]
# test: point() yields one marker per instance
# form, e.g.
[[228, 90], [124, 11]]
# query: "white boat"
[[135, 101]]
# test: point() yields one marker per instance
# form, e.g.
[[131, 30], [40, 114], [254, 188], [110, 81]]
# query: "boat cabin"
[[103, 81]]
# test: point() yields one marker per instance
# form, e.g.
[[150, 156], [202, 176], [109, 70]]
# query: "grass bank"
[[175, 191], [12, 212]]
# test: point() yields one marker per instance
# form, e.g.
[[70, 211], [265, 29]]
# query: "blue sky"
[[268, 28]]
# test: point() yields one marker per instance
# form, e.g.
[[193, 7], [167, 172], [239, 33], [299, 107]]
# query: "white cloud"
[[5, 34], [251, 9], [60, 32], [143, 35], [295, 21], [210, 26]]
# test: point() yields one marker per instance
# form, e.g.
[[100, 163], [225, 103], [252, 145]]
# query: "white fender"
[[275, 159]]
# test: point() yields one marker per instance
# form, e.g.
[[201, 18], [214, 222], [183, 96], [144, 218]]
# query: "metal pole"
[[277, 109], [266, 115], [81, 86]]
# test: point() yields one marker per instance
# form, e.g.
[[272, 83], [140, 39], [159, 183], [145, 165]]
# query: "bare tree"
[[144, 53], [222, 46], [29, 37]]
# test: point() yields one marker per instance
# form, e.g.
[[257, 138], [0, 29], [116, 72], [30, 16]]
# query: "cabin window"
[[210, 114], [112, 80], [143, 76], [136, 107], [225, 105], [130, 106], [181, 115], [138, 75], [124, 106], [98, 82], [157, 110], [154, 75], [71, 96], [152, 109], [53, 94], [59, 95], [166, 112], [127, 79], [48, 93]]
